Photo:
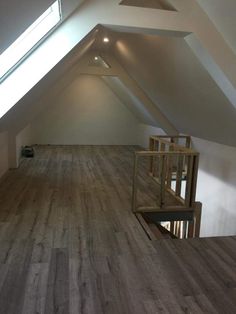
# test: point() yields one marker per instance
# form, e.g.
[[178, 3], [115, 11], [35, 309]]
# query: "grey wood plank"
[[57, 299], [14, 285], [36, 289], [69, 243]]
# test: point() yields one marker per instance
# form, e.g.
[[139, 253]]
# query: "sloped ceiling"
[[34, 101], [127, 97], [155, 4], [223, 15], [167, 70]]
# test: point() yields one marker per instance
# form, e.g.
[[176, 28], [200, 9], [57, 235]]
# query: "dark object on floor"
[[28, 152]]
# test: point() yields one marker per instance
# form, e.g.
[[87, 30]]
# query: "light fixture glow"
[[105, 39], [95, 58]]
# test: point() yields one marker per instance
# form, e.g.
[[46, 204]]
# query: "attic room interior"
[[117, 156]]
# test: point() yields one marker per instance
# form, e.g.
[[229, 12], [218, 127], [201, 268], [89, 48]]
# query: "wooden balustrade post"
[[151, 148], [169, 168], [162, 180], [191, 229], [135, 183], [194, 178], [188, 142], [172, 225], [156, 164], [179, 173], [189, 181], [197, 218]]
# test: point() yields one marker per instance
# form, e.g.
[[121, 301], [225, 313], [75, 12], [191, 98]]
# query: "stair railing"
[[174, 168]]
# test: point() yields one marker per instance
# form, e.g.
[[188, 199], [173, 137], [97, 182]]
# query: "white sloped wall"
[[217, 187]]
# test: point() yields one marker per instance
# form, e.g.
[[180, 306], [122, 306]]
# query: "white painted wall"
[[23, 138], [3, 153], [217, 188], [86, 112], [145, 132]]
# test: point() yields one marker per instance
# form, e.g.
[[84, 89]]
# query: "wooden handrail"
[[177, 147], [149, 153], [174, 168], [175, 137]]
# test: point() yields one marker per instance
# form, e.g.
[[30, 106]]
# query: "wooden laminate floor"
[[69, 244]]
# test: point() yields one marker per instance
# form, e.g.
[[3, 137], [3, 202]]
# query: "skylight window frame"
[[27, 33]]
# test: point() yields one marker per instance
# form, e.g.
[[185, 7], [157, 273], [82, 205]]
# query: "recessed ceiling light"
[[96, 58], [106, 39]]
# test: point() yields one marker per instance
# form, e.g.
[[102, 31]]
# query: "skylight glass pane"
[[14, 53]]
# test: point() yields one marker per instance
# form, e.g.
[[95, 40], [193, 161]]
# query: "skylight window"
[[32, 35]]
